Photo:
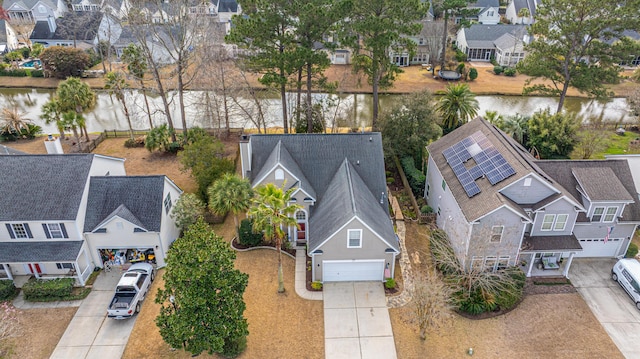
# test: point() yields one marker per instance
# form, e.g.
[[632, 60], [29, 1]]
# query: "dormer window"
[[279, 174], [611, 214], [602, 214]]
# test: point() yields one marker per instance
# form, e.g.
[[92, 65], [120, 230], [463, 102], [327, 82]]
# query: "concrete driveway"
[[611, 305], [90, 333], [356, 321]]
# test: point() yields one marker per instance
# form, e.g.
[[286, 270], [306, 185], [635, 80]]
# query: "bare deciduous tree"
[[430, 304]]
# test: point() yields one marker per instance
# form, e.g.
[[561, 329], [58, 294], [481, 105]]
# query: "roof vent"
[[370, 138], [358, 162]]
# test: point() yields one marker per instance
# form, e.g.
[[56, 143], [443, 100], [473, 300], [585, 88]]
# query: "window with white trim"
[[167, 203], [610, 215], [561, 222], [476, 263], [503, 262], [597, 214], [301, 215], [490, 263], [279, 174], [55, 230], [19, 230], [547, 222], [64, 265], [496, 234], [354, 238]]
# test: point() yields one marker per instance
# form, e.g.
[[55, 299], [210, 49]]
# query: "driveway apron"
[[356, 321], [90, 333], [610, 304]]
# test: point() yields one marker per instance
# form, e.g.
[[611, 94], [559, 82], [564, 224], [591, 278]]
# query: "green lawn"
[[615, 145]]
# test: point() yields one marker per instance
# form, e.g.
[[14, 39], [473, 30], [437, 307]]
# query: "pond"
[[349, 110]]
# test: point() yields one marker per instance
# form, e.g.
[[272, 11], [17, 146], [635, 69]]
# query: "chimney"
[[52, 24], [245, 154], [53, 146]]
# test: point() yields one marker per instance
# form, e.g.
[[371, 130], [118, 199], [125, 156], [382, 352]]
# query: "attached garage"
[[352, 270], [598, 248]]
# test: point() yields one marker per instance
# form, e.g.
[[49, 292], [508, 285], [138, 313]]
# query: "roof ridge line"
[[353, 200]]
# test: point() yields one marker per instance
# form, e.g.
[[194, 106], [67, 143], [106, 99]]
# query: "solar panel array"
[[489, 162]]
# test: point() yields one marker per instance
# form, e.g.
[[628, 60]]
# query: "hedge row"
[[7, 289], [247, 236], [43, 289], [21, 73], [415, 177]]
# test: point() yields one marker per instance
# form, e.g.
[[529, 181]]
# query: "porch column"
[[566, 268], [7, 269], [533, 257], [79, 273]]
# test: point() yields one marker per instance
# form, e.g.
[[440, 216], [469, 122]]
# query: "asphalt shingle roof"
[[42, 187], [134, 198], [483, 36], [347, 197], [562, 171], [91, 20], [551, 243], [45, 251], [601, 184]]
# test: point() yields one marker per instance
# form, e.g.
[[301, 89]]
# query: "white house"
[[504, 43], [30, 11]]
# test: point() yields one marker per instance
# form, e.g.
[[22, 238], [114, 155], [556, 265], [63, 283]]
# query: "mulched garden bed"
[[237, 245], [309, 277]]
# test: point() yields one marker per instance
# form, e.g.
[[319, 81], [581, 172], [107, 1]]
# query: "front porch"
[[547, 256]]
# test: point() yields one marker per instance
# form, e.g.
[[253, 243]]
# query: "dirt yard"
[[39, 331], [542, 326], [280, 325]]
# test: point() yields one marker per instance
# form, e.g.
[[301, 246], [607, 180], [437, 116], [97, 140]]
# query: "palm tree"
[[137, 66], [524, 12], [272, 215], [457, 106], [73, 120], [75, 95], [13, 122], [116, 85], [230, 194], [51, 113], [516, 127]]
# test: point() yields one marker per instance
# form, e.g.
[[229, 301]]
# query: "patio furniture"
[[550, 263]]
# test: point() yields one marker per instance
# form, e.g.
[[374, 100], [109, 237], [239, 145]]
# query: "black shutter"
[[10, 230], [28, 230], [46, 231], [64, 230]]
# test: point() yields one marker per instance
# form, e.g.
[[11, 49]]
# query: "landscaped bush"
[[390, 283], [51, 289], [631, 251], [14, 73], [247, 236], [316, 285], [460, 56], [426, 209], [7, 289], [509, 71], [497, 70], [415, 177], [37, 73], [473, 73]]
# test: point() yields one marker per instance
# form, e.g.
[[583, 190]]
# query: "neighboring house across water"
[[8, 37], [54, 198], [84, 30], [515, 8], [502, 207], [484, 12], [156, 39], [30, 11], [504, 43], [339, 181]]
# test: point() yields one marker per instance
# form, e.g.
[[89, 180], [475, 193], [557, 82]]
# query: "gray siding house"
[[502, 207], [340, 183]]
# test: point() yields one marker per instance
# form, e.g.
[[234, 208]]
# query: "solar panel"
[[489, 162]]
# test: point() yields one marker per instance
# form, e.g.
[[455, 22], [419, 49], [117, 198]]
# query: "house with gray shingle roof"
[[502, 207], [126, 213], [515, 7], [30, 11], [67, 211], [481, 11], [339, 181], [505, 43]]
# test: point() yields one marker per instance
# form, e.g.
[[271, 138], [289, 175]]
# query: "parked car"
[[131, 291], [627, 273]]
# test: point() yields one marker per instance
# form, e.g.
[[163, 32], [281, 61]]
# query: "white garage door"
[[358, 270], [597, 247]]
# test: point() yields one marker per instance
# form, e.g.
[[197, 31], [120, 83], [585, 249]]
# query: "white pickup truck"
[[131, 291]]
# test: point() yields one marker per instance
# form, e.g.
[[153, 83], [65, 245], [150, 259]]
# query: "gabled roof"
[[29, 4], [528, 4], [484, 4], [484, 36], [506, 41], [347, 197], [320, 155], [41, 30], [601, 184], [227, 6], [42, 187], [563, 172], [281, 156], [46, 251], [137, 199]]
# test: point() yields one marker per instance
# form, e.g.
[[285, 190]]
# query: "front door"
[[33, 268], [302, 232]]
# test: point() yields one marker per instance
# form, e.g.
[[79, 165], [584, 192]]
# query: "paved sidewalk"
[[301, 277], [90, 333], [407, 273], [356, 322]]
